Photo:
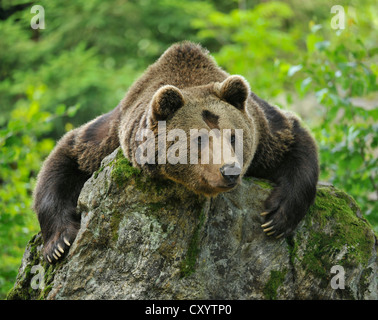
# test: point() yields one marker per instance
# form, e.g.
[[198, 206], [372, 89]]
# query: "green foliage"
[[251, 40], [23, 149], [89, 52], [347, 133]]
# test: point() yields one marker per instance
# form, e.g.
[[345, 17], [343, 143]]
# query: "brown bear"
[[184, 89]]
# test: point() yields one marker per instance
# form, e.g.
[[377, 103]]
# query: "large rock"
[[146, 239]]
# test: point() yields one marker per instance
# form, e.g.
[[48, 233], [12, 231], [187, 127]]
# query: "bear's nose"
[[231, 172]]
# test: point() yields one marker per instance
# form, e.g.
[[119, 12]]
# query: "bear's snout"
[[231, 172]]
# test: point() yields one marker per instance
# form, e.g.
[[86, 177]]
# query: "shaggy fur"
[[185, 88]]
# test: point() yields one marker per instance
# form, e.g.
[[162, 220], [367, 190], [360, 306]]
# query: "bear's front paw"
[[59, 244], [283, 214]]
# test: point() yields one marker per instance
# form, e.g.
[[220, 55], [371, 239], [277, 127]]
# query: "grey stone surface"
[[147, 239]]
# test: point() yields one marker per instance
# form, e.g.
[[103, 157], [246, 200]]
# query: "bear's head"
[[202, 137]]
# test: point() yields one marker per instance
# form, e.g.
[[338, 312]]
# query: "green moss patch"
[[23, 288], [276, 279], [123, 169], [114, 224], [263, 184], [123, 172], [333, 229], [189, 263], [98, 171]]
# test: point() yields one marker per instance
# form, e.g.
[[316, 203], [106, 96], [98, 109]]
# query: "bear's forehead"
[[208, 102], [210, 118], [207, 115]]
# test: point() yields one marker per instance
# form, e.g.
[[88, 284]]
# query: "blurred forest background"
[[90, 52]]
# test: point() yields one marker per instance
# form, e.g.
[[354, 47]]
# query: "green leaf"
[[316, 27], [355, 162], [71, 111], [305, 84], [321, 94], [294, 69], [373, 51], [311, 40], [60, 110], [322, 45], [357, 88]]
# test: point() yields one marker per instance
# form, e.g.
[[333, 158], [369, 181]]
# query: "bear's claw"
[[269, 227], [273, 226], [56, 248], [66, 241], [277, 223], [266, 225], [60, 248]]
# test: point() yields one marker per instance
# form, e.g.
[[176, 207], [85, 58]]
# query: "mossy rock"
[[35, 277], [334, 233], [144, 238]]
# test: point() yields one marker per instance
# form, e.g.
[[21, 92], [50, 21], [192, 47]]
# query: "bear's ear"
[[166, 101], [235, 91]]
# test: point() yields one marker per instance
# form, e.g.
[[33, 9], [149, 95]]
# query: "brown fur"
[[188, 90]]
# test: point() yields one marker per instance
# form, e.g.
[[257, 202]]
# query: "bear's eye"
[[232, 140], [201, 141]]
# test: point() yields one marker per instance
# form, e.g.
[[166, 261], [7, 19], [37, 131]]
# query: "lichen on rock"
[[144, 238], [34, 281]]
